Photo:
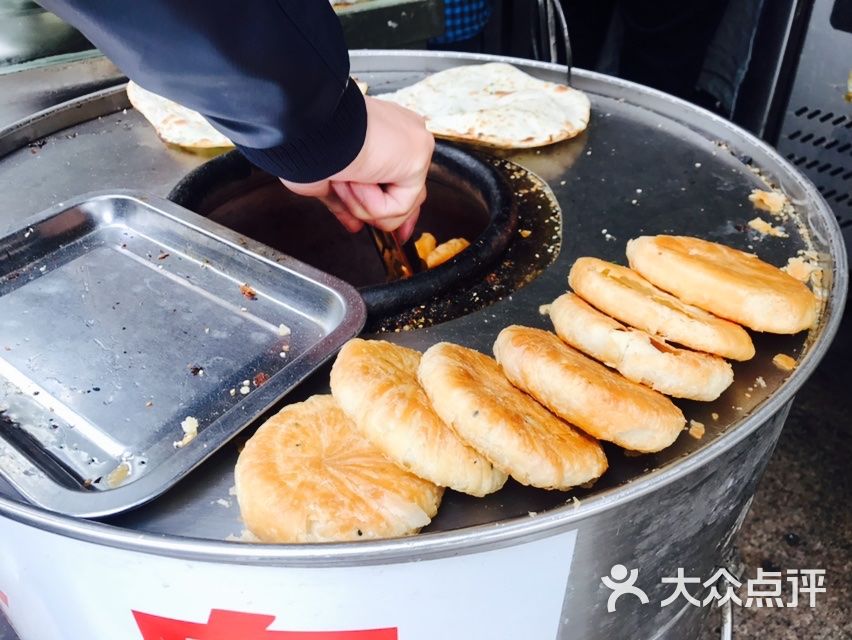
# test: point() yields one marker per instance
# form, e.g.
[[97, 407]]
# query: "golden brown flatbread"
[[468, 390], [637, 355], [626, 296], [375, 383], [600, 401], [307, 475], [175, 123], [732, 284], [497, 105]]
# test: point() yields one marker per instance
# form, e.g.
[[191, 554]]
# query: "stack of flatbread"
[[496, 105], [373, 459]]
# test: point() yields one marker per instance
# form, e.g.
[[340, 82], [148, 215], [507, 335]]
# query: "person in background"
[[464, 26], [698, 50], [273, 76]]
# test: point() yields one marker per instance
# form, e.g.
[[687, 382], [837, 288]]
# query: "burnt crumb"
[[195, 370], [740, 227], [476, 413], [746, 159], [360, 533], [792, 539], [36, 145], [248, 291], [96, 388], [260, 378], [163, 256], [35, 393]]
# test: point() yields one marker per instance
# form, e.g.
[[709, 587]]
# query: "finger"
[[407, 228], [394, 200], [343, 190], [341, 212], [350, 222], [389, 224], [403, 225]]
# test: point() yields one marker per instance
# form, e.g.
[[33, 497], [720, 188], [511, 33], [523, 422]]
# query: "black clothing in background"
[[658, 43], [272, 75]]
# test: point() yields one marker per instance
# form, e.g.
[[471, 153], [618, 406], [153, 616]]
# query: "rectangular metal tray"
[[120, 317]]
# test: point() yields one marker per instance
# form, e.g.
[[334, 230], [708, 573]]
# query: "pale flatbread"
[[375, 383], [497, 105], [471, 394], [626, 296], [598, 400], [307, 475], [637, 355], [175, 123], [732, 284]]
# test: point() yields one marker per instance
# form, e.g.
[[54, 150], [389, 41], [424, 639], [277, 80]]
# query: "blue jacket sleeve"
[[272, 75]]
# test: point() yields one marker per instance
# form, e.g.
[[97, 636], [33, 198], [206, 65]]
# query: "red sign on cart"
[[237, 625]]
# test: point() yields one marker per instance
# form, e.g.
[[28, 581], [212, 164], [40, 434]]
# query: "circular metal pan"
[[648, 163]]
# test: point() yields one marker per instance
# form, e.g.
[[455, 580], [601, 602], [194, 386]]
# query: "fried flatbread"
[[599, 401], [626, 296], [375, 383], [637, 355], [732, 284], [468, 390], [497, 105], [175, 123], [307, 475]]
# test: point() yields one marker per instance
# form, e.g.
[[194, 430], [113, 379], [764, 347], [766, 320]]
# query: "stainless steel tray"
[[120, 317]]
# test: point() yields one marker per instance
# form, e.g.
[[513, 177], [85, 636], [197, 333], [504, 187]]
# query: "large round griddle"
[[648, 164]]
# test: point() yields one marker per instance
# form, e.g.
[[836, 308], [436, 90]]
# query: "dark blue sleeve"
[[272, 75]]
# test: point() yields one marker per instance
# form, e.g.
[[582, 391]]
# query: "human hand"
[[385, 184]]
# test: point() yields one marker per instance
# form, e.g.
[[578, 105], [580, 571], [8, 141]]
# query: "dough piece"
[[175, 123], [600, 401], [732, 284], [496, 105], [637, 355], [446, 251], [628, 297], [470, 393], [308, 476], [425, 245], [375, 383]]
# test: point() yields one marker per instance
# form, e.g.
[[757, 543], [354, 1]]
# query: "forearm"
[[272, 75]]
